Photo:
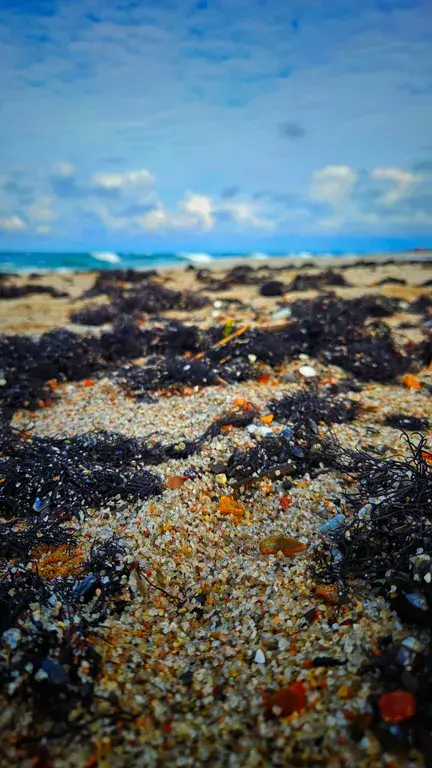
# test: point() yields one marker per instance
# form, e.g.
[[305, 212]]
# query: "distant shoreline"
[[182, 262]]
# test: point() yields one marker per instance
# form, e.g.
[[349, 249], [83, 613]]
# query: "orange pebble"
[[289, 546], [397, 706], [229, 506], [284, 544], [285, 502], [241, 402], [88, 382], [410, 382], [286, 701], [264, 378], [267, 419], [176, 481], [328, 593]]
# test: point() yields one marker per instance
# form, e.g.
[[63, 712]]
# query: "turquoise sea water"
[[35, 261]]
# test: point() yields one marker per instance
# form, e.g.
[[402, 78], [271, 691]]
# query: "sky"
[[215, 125]]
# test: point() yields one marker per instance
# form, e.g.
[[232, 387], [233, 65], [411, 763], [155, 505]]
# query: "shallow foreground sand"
[[193, 683]]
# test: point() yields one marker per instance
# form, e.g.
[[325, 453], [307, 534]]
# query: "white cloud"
[[245, 212], [155, 219], [402, 183], [65, 169], [117, 181], [43, 229], [332, 184], [110, 220], [13, 224], [41, 210], [199, 208]]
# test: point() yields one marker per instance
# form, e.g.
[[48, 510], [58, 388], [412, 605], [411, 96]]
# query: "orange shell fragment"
[[328, 593], [229, 506], [410, 382], [176, 481], [286, 701], [285, 544], [267, 419], [397, 706]]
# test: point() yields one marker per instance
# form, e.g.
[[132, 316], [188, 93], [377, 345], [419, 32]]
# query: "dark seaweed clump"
[[111, 281], [273, 288], [407, 423], [289, 454], [390, 527], [47, 658], [335, 331], [97, 315], [63, 477], [310, 404], [388, 542], [18, 291], [317, 282]]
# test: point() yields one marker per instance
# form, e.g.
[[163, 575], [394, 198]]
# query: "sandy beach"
[[214, 602]]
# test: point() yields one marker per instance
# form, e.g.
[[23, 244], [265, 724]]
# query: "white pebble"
[[259, 657], [307, 371]]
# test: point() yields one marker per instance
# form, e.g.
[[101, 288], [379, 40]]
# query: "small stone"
[[221, 479], [289, 378], [397, 706], [307, 371], [281, 314], [259, 657]]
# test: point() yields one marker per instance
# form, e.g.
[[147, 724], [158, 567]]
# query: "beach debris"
[[175, 481], [404, 421], [309, 404], [397, 706], [334, 526], [286, 701], [307, 371], [410, 382], [229, 506], [272, 288], [285, 544]]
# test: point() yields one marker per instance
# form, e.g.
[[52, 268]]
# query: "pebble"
[[259, 657], [307, 371]]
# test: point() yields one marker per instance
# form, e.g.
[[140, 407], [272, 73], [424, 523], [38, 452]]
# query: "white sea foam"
[[259, 256], [197, 258], [107, 256]]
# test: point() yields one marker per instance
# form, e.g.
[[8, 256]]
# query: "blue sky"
[[215, 124]]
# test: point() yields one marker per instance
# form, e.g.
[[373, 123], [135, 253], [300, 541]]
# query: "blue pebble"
[[333, 525]]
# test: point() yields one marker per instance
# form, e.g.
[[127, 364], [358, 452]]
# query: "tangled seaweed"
[[310, 404], [18, 291], [97, 315], [47, 656], [275, 457], [317, 282], [406, 423], [390, 526], [63, 477]]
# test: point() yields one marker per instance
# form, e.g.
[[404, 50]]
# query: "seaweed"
[[390, 526], [18, 291], [307, 282], [96, 315], [65, 477], [273, 288], [274, 457], [405, 422], [310, 404]]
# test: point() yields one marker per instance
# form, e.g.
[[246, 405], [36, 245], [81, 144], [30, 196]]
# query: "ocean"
[[38, 261]]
